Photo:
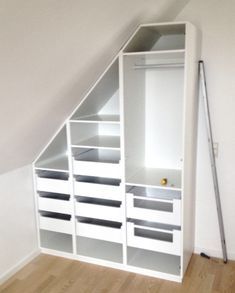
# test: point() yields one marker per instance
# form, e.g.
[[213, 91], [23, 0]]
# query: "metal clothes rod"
[[163, 65]]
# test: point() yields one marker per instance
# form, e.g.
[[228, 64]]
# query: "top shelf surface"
[[151, 177], [59, 164], [100, 141], [168, 53], [97, 119], [157, 37]]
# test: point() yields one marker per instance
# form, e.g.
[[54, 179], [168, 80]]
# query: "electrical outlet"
[[216, 149]]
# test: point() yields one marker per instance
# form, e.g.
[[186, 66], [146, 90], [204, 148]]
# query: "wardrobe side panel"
[[190, 143]]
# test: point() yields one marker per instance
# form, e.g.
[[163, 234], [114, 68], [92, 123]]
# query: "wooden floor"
[[50, 274]]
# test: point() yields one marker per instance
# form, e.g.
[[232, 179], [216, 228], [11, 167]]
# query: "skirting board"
[[14, 269], [213, 253]]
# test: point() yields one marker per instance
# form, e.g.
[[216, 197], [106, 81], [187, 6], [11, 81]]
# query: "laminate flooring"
[[51, 274]]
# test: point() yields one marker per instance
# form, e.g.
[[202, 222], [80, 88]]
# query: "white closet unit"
[[115, 186]]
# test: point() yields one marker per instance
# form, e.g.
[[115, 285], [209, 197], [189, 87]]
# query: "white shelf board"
[[59, 164], [151, 177], [97, 119], [169, 53], [100, 156], [100, 141]]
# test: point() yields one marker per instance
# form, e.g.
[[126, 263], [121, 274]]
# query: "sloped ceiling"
[[51, 52]]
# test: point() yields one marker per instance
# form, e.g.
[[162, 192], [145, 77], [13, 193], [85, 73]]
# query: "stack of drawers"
[[154, 219], [98, 196], [54, 201]]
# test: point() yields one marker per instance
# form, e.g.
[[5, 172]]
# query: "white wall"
[[216, 20], [18, 236]]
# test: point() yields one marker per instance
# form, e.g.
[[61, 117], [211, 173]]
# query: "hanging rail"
[[162, 65]]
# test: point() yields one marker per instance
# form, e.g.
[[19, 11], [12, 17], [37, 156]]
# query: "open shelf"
[[54, 157], [151, 177], [161, 37], [56, 241], [99, 249], [100, 141], [103, 98], [152, 260], [95, 135], [98, 118], [59, 164]]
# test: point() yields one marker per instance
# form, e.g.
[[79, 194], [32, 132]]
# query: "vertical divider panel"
[[36, 206], [190, 143], [71, 184], [122, 150]]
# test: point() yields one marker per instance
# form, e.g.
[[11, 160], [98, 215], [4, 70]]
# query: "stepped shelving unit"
[[98, 182]]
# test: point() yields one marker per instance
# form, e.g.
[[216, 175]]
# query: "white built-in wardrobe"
[[115, 185]]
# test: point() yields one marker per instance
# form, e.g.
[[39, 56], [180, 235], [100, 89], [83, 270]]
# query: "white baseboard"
[[10, 272], [213, 253]]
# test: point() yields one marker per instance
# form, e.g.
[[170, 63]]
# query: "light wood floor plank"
[[50, 274]]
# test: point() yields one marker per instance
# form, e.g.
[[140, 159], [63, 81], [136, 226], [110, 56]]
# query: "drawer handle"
[[152, 229]]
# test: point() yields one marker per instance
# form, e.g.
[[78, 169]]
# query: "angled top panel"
[[157, 37]]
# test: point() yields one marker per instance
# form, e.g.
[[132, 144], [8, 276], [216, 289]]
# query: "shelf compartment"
[[99, 118], [54, 203], [102, 163], [98, 187], [103, 97], [55, 222], [151, 177], [56, 182], [59, 164], [154, 210], [54, 157], [152, 260], [155, 38], [56, 241], [99, 249], [99, 209], [161, 240], [95, 135], [100, 230]]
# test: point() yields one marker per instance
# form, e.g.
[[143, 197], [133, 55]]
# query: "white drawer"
[[108, 170], [99, 232], [158, 210], [56, 225], [54, 205], [97, 190], [97, 211], [53, 185], [169, 243]]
